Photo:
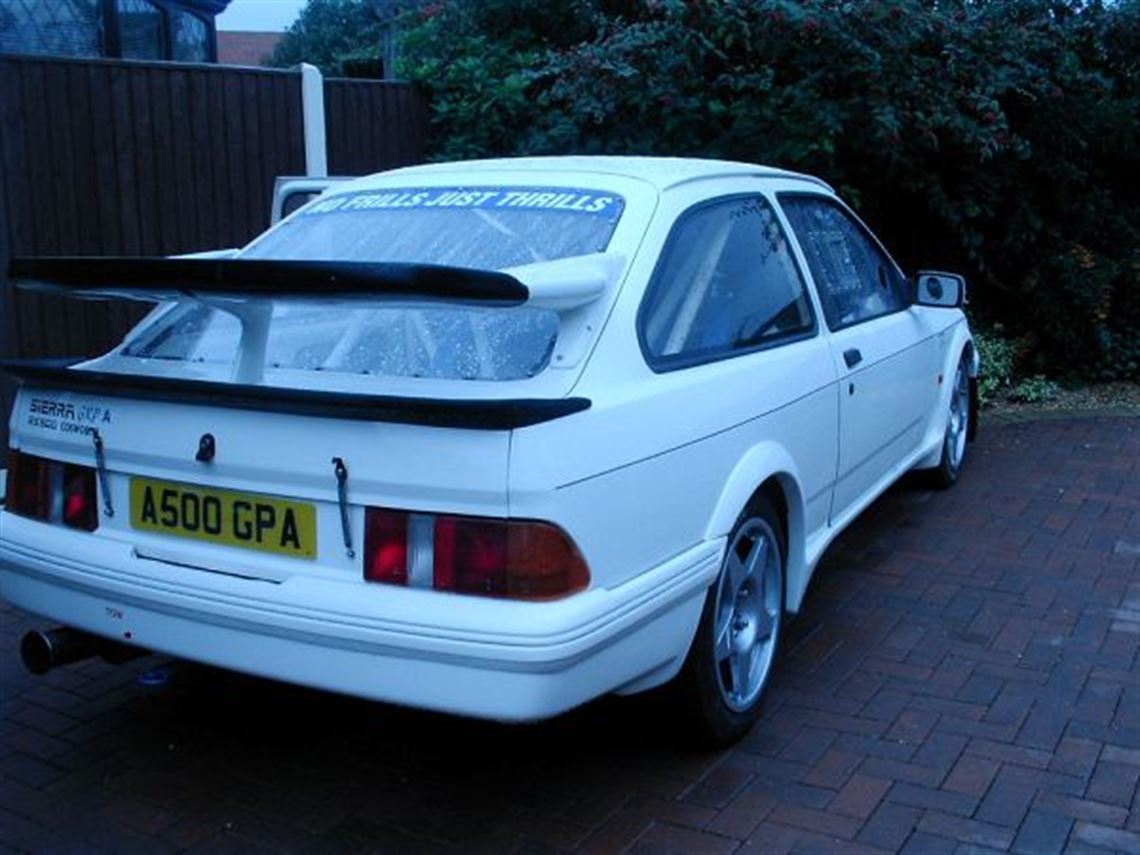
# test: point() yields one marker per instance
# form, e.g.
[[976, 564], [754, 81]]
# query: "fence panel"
[[107, 157], [373, 125]]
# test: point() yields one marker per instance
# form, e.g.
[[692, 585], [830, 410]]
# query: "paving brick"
[[833, 769], [889, 826], [912, 726], [930, 799], [908, 772], [1075, 756], [940, 750], [968, 830], [921, 843], [821, 822], [722, 782], [860, 796], [741, 817], [1090, 811], [971, 775], [1033, 757], [1006, 802], [1113, 783], [1042, 834], [808, 746], [772, 839], [663, 837], [1124, 756], [1106, 837]]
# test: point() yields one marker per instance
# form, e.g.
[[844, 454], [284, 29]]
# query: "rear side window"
[[855, 278], [726, 284]]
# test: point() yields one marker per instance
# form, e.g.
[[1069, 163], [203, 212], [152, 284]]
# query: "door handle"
[[852, 357]]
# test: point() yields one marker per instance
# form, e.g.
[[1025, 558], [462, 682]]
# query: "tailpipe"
[[42, 651]]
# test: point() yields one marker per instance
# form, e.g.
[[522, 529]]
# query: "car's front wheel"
[[732, 657], [957, 428]]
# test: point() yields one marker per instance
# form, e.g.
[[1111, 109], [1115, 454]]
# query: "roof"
[[246, 48], [661, 172]]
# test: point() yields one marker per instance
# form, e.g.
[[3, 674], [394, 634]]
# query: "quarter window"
[[726, 284], [856, 280]]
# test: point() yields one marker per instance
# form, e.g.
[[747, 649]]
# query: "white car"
[[493, 438]]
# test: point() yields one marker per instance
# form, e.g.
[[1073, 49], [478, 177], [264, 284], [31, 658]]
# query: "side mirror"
[[941, 290]]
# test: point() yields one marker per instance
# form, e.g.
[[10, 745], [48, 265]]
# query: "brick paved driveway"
[[964, 678]]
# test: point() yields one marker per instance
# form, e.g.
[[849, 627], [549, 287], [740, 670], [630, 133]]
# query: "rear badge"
[[207, 447]]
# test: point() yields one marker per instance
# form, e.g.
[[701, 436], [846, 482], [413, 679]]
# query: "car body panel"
[[647, 482]]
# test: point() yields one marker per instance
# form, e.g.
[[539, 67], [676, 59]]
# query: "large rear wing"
[[158, 279]]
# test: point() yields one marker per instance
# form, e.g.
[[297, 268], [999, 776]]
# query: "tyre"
[[731, 659], [958, 426]]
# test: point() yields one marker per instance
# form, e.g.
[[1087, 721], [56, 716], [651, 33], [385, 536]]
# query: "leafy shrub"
[[997, 137], [996, 375], [332, 35], [1034, 390]]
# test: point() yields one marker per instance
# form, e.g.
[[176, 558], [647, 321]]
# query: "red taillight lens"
[[56, 492], [386, 546], [519, 559], [471, 556], [28, 491], [79, 509]]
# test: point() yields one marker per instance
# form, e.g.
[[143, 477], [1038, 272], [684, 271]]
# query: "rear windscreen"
[[444, 342], [489, 228]]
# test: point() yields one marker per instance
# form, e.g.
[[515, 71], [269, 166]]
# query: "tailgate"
[[262, 499]]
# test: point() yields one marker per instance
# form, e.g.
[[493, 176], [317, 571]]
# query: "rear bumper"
[[465, 655]]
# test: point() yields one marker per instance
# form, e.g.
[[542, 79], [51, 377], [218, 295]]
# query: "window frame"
[[860, 226], [676, 362], [111, 25]]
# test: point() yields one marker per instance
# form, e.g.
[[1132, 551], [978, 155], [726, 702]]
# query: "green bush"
[[997, 137], [1034, 390], [332, 35], [996, 375]]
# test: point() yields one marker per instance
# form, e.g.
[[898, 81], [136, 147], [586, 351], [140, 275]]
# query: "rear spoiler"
[[157, 279], [473, 414]]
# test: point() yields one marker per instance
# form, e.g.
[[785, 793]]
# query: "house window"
[[140, 30], [190, 38], [73, 28]]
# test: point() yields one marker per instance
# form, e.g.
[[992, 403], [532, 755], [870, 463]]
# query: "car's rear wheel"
[[954, 442], [732, 657]]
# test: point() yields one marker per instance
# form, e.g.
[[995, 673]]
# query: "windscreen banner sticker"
[[561, 199], [64, 416]]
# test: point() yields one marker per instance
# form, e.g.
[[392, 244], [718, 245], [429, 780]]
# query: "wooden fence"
[[107, 157]]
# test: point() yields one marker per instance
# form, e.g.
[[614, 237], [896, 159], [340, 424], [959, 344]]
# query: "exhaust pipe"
[[42, 651]]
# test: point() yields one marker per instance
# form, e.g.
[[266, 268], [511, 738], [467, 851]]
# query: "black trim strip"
[[164, 278], [481, 414]]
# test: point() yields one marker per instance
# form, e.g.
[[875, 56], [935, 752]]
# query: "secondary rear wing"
[[472, 414]]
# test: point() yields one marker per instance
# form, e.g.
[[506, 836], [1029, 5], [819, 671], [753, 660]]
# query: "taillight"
[[516, 559], [79, 509], [385, 546], [55, 492], [29, 489]]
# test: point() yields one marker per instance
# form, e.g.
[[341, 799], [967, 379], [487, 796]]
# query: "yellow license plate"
[[246, 520]]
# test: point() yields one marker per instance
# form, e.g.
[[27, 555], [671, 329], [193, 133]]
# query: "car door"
[[880, 348]]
